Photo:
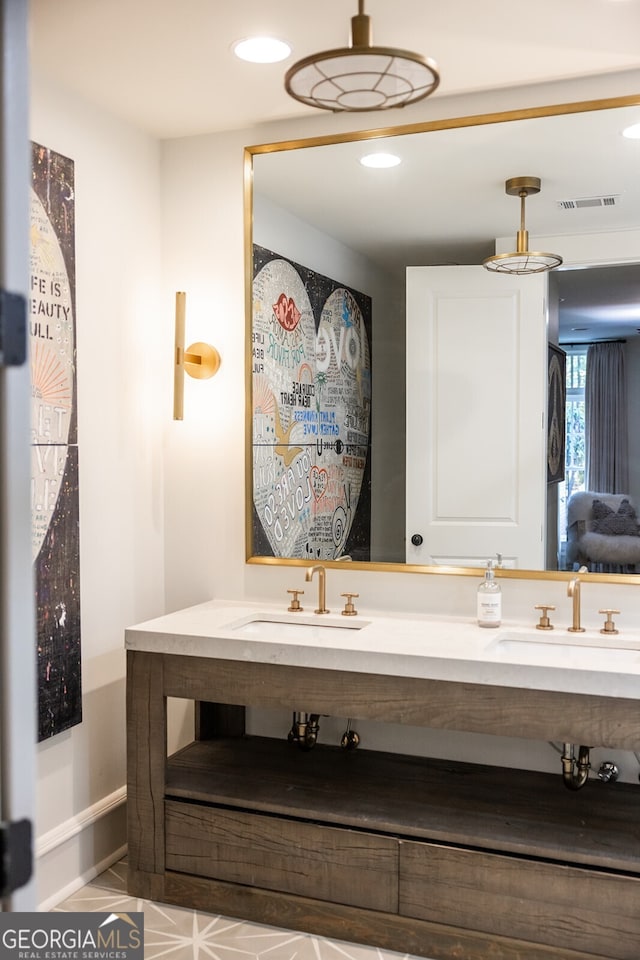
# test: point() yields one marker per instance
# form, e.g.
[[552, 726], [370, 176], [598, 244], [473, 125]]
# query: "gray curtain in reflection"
[[606, 419]]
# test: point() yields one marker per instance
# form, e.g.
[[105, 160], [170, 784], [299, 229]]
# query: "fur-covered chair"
[[603, 532]]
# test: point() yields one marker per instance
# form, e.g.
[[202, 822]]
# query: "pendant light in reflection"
[[522, 260]]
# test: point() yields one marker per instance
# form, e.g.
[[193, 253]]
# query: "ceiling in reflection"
[[446, 203], [602, 303]]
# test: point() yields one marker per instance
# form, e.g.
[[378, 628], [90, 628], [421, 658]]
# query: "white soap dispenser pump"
[[489, 599]]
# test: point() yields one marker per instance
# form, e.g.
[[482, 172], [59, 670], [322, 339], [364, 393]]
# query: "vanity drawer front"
[[342, 866], [542, 902]]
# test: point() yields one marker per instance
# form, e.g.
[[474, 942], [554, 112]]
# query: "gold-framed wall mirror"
[[401, 415]]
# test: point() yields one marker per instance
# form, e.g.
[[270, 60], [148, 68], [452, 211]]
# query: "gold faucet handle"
[[609, 625], [349, 609], [295, 606], [544, 623]]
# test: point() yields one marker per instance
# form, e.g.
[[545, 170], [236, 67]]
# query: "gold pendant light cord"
[[522, 240]]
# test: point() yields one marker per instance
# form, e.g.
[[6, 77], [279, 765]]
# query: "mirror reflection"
[[365, 436]]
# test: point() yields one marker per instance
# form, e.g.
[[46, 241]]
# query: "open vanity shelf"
[[471, 805], [499, 851], [429, 857]]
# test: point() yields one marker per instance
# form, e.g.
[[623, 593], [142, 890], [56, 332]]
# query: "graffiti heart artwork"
[[311, 410]]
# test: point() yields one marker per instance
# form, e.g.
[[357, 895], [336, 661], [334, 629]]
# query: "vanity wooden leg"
[[146, 761]]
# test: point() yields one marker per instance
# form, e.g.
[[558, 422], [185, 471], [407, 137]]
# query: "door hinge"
[[16, 855], [13, 329]]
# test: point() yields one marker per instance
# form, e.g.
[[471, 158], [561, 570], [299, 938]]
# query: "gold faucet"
[[573, 590], [322, 579]]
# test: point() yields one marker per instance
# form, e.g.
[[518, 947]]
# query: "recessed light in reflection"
[[633, 132], [380, 161], [262, 50]]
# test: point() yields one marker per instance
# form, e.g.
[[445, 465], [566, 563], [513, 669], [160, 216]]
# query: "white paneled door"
[[476, 398]]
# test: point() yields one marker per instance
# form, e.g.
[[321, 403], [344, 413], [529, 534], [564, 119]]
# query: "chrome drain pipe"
[[574, 776], [304, 729]]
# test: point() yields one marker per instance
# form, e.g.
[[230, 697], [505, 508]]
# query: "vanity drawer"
[[541, 902], [291, 856]]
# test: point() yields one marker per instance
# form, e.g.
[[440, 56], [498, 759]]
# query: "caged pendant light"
[[522, 261], [361, 77]]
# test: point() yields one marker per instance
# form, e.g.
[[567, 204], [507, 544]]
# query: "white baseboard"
[[79, 882], [76, 851]]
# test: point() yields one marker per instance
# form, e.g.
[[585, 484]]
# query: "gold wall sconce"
[[200, 360]]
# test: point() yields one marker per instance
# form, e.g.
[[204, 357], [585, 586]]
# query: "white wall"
[[122, 405], [162, 504]]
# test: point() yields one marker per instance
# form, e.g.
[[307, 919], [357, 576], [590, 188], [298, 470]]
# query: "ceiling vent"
[[611, 200]]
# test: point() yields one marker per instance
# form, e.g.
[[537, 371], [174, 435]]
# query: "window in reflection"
[[575, 455]]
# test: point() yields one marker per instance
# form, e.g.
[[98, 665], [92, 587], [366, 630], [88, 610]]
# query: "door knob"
[[417, 540]]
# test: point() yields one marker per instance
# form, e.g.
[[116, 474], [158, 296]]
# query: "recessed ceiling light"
[[262, 50], [633, 132], [380, 160]]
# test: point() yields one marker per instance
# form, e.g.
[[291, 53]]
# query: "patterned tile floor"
[[175, 933]]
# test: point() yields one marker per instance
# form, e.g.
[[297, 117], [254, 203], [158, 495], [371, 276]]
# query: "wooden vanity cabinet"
[[428, 857]]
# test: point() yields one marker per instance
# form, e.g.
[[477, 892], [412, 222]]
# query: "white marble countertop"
[[427, 647]]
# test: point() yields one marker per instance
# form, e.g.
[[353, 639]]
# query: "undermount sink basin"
[[565, 652], [266, 627]]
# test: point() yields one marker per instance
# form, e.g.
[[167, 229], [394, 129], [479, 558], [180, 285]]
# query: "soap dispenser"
[[489, 599]]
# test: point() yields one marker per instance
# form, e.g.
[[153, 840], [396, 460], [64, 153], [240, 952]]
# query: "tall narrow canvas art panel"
[[54, 457]]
